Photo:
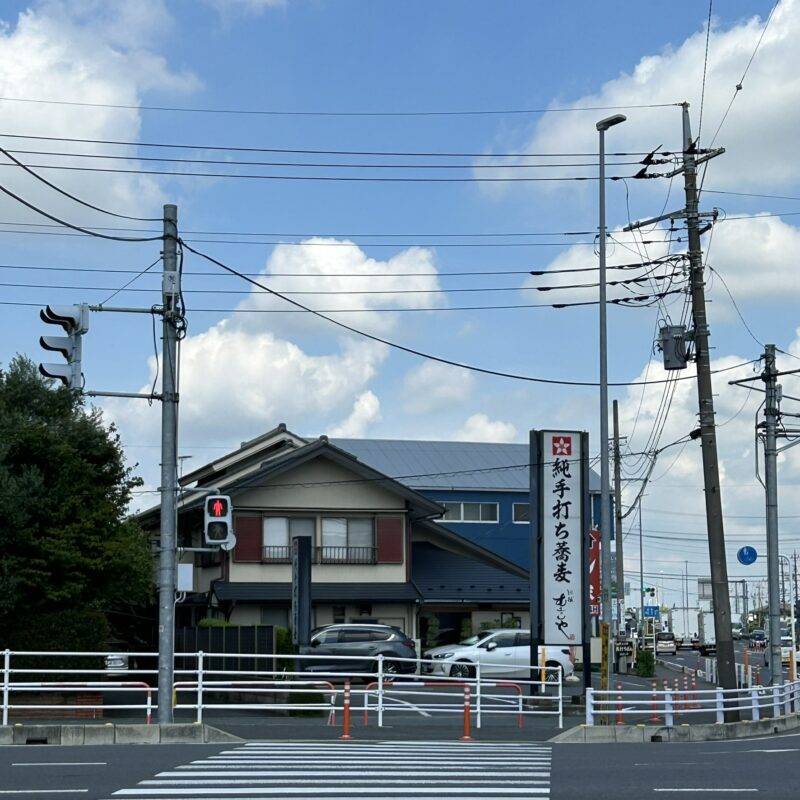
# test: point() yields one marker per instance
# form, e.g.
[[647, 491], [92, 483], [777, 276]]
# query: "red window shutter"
[[248, 538], [389, 536]]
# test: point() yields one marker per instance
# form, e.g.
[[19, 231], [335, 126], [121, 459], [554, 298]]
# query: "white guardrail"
[[58, 682], [663, 707]]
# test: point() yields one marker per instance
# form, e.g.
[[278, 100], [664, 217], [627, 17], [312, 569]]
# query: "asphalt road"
[[767, 767]]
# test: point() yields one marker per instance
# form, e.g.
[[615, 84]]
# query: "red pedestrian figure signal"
[[218, 521], [218, 508]]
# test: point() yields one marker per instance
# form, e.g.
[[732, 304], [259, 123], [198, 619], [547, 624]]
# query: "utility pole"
[[641, 574], [794, 572], [170, 290], [771, 416], [726, 668], [618, 524]]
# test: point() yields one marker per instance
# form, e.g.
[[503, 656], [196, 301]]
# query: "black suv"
[[364, 643]]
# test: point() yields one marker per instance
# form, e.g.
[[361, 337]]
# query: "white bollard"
[[668, 718], [380, 691], [720, 706], [590, 706], [6, 682], [200, 686], [754, 702]]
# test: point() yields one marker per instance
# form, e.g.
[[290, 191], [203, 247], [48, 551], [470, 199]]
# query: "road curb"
[[704, 732], [109, 733]]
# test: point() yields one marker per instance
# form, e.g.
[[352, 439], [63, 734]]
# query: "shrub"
[[214, 622]]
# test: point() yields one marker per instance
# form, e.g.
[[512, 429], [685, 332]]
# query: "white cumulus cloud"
[[479, 428], [433, 387], [366, 411]]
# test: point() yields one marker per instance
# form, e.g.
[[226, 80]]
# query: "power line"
[[345, 292], [275, 243], [287, 113], [306, 164], [751, 194], [296, 151], [330, 178], [316, 275], [72, 196], [75, 227], [403, 348], [629, 302], [705, 70], [738, 87]]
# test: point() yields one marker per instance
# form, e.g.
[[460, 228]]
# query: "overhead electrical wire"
[[317, 113], [347, 292], [332, 178], [275, 243], [705, 70], [297, 151], [78, 228], [327, 165], [316, 275], [400, 347], [751, 194], [740, 84], [72, 197]]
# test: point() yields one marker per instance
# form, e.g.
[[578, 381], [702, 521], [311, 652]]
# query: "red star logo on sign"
[[562, 445]]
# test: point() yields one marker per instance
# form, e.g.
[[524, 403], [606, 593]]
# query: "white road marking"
[[705, 790], [352, 790], [382, 781], [59, 764], [311, 769], [43, 791]]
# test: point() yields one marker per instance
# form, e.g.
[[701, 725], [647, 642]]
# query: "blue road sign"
[[747, 555], [652, 612]]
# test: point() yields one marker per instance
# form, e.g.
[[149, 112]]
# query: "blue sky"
[[244, 373]]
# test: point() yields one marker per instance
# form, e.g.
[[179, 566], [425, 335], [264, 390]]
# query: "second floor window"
[[522, 512], [278, 533], [470, 512], [348, 540]]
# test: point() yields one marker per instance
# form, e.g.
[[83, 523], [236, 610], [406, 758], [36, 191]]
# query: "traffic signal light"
[[75, 321], [651, 590], [218, 521]]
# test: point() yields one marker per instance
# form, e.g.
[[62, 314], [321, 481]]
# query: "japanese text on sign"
[[561, 500]]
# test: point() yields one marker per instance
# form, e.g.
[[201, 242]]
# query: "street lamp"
[[605, 496]]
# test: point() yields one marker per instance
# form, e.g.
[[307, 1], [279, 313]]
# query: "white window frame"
[[513, 515], [462, 521]]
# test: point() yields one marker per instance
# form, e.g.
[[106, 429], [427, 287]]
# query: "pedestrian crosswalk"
[[364, 770]]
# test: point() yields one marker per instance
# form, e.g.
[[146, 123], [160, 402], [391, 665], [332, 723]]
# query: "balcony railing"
[[346, 555], [276, 554]]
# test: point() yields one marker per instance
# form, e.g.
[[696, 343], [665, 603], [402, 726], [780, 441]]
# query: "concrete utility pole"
[[618, 524], [641, 573], [170, 290], [726, 668], [774, 568]]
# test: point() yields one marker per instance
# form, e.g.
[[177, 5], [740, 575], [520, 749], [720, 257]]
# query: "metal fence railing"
[[664, 706], [36, 683]]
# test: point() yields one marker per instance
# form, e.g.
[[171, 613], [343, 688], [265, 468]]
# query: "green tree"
[[69, 555]]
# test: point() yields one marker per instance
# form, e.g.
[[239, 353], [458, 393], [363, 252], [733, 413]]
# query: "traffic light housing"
[[75, 322], [218, 520]]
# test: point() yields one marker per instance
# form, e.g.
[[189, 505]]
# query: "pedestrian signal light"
[[218, 520]]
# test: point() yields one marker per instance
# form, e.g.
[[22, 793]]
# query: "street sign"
[[747, 555], [623, 647], [652, 612]]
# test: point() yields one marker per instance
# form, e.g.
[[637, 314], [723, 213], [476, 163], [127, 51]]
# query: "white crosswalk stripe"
[[340, 770]]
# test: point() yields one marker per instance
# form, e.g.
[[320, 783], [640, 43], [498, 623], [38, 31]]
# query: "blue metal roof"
[[444, 576], [464, 461]]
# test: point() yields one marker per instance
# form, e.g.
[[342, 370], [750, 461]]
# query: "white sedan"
[[502, 653]]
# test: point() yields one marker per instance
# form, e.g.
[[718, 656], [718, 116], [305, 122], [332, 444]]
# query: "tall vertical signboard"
[[559, 594], [301, 590]]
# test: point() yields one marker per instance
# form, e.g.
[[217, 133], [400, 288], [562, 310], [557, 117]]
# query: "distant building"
[[379, 554], [483, 487]]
